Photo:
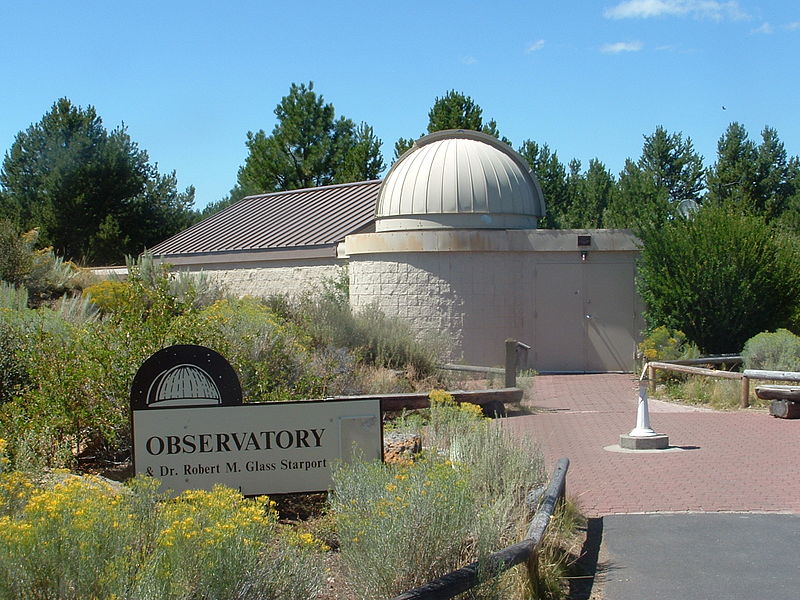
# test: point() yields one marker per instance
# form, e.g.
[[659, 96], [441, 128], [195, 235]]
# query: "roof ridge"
[[318, 187]]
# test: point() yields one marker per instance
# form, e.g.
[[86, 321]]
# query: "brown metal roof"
[[304, 218]]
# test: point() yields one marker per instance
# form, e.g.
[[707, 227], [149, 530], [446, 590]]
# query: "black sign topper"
[[185, 375]]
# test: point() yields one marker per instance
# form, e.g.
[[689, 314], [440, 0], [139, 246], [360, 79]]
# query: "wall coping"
[[508, 240]]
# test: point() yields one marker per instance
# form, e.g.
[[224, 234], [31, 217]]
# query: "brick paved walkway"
[[731, 461]]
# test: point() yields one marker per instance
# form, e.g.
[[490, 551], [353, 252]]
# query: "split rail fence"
[[526, 551], [689, 366]]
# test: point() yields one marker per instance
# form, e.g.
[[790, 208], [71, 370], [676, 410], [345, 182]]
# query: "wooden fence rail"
[[772, 375], [466, 578], [684, 366], [516, 355], [681, 367]]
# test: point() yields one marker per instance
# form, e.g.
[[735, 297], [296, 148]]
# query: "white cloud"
[[618, 47], [535, 46], [793, 26], [469, 60], [701, 9], [765, 28]]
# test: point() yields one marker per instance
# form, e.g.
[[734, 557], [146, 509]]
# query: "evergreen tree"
[[720, 277], [363, 160], [757, 178], [673, 164], [454, 110], [307, 147], [575, 185], [790, 218], [91, 192], [649, 191], [775, 177], [401, 146], [596, 192], [732, 178], [639, 202], [552, 178]]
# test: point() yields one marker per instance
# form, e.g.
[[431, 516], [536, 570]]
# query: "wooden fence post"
[[511, 363], [534, 581], [651, 377], [745, 399]]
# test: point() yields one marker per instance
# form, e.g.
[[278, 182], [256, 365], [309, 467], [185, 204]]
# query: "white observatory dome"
[[459, 179]]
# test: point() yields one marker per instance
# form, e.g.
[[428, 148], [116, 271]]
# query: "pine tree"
[[552, 178], [454, 110], [363, 160], [91, 192], [639, 202], [673, 164], [307, 147], [732, 178], [597, 191]]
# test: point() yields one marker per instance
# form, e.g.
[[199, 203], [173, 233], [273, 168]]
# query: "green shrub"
[[372, 336], [271, 356], [13, 297], [65, 401], [41, 272], [16, 258], [772, 351], [400, 526], [710, 392], [13, 375], [720, 277]]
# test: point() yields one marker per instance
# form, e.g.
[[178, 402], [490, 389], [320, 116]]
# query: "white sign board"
[[256, 448]]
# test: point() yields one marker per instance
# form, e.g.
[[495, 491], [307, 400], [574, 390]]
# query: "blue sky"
[[590, 78]]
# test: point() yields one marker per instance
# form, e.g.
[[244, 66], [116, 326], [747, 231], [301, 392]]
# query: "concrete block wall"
[[469, 299], [291, 277]]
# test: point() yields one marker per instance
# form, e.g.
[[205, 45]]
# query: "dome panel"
[[459, 179]]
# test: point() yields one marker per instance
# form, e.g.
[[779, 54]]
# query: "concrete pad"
[[618, 448], [650, 442]]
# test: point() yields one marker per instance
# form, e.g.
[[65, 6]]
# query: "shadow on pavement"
[[583, 580]]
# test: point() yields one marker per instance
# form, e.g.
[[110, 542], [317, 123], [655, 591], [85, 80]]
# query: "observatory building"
[[448, 241]]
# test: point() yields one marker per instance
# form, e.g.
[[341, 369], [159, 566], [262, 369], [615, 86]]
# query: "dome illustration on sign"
[[184, 385]]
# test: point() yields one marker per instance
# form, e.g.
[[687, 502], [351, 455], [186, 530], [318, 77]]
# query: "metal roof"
[[294, 219]]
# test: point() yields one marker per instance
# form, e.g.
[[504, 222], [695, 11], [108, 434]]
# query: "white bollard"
[[642, 428]]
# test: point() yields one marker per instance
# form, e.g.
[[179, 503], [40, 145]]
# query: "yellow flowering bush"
[[108, 295], [3, 455], [440, 398], [667, 344], [449, 419], [473, 410], [83, 537], [61, 537]]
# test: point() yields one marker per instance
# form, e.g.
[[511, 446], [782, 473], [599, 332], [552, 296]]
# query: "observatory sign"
[[191, 429]]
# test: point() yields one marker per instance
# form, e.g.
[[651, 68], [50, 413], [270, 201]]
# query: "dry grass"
[[709, 392]]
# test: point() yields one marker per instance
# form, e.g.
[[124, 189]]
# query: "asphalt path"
[[705, 556]]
